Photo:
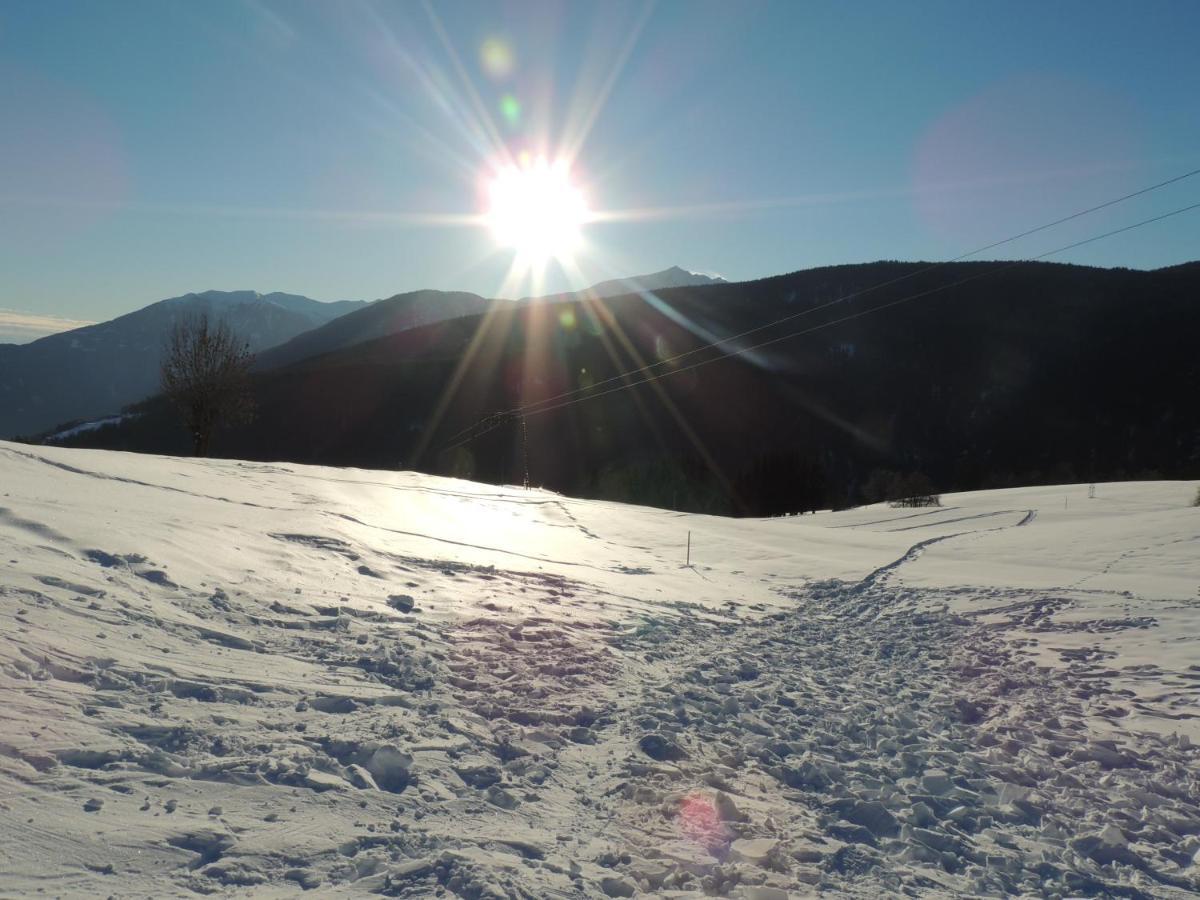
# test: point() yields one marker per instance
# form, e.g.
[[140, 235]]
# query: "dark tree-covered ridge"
[[1037, 373]]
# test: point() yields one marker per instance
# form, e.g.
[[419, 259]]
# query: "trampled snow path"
[[251, 679]]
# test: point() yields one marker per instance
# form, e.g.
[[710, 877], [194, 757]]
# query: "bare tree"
[[205, 373], [900, 489], [914, 489]]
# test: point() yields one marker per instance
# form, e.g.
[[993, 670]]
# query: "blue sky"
[[153, 148]]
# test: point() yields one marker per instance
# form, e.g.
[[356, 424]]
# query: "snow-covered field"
[[243, 678]]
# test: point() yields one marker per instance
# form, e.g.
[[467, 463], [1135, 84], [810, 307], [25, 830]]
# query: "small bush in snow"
[[902, 489], [917, 500]]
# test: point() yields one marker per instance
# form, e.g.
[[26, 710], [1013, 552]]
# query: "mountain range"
[[377, 320], [96, 370], [971, 374], [658, 281]]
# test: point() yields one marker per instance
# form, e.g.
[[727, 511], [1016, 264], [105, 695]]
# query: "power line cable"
[[858, 315], [494, 421], [847, 297]]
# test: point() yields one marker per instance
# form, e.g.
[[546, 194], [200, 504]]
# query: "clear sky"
[[149, 148]]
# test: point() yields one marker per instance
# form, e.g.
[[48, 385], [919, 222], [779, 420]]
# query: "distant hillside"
[[404, 312], [1039, 373], [381, 318], [98, 369], [673, 277]]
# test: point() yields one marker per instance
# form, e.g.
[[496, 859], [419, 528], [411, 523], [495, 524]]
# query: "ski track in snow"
[[198, 700]]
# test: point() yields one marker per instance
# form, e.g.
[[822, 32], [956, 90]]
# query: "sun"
[[536, 210]]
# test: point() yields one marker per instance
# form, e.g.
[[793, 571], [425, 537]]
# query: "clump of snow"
[[84, 427], [219, 676]]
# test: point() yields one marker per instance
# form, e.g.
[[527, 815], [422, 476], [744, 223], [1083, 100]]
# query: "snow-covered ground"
[[232, 677]]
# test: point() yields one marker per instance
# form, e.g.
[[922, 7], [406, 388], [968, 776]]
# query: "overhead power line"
[[528, 412], [854, 295], [567, 398]]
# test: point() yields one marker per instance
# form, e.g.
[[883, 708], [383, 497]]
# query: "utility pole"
[[525, 449]]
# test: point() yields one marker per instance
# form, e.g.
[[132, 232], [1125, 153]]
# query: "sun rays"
[[535, 203], [517, 148]]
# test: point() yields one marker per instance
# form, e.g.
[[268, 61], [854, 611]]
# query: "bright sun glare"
[[536, 210]]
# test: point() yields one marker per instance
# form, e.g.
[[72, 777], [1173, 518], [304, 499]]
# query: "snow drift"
[[227, 676]]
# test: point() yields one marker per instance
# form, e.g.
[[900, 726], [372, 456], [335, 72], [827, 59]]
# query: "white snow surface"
[[84, 427], [254, 679]]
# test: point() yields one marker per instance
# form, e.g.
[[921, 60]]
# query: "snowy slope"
[[245, 678]]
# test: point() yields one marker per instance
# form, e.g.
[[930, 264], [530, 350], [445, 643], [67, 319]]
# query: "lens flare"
[[700, 821], [510, 109], [496, 57], [535, 210]]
